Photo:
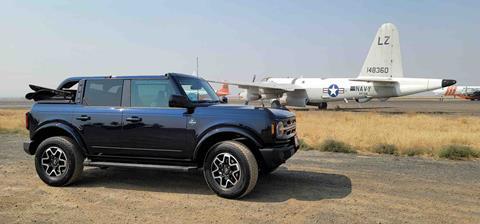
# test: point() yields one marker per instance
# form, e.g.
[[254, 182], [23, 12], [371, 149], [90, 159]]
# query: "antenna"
[[198, 91], [197, 66]]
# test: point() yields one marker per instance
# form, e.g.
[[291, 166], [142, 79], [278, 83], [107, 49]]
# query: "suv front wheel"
[[230, 169], [58, 161]]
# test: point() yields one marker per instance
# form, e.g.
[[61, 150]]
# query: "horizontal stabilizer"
[[373, 79]]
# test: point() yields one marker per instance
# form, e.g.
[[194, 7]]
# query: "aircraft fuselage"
[[318, 90]]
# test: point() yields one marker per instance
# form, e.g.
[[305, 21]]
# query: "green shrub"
[[331, 145], [414, 151], [304, 145], [386, 149], [458, 152]]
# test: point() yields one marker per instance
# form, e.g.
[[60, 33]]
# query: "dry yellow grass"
[[361, 130], [406, 131], [12, 121]]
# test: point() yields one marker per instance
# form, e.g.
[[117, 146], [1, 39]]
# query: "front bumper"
[[26, 147], [278, 154]]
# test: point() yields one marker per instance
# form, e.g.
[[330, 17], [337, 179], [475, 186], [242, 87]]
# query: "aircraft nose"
[[448, 82]]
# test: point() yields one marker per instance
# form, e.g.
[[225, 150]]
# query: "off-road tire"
[[74, 161], [247, 165]]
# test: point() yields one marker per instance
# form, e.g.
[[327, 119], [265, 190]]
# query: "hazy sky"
[[43, 42]]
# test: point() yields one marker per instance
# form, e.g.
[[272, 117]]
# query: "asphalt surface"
[[424, 105], [14, 103], [395, 105], [413, 105], [313, 187]]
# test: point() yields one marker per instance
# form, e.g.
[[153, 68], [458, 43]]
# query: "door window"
[[151, 93], [105, 92]]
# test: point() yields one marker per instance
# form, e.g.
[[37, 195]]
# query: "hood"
[[277, 113], [281, 114], [234, 106]]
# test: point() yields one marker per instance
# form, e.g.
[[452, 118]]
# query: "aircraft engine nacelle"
[[363, 100], [250, 95], [254, 96], [297, 98]]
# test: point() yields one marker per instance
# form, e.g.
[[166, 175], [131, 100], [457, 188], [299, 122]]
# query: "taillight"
[[27, 124]]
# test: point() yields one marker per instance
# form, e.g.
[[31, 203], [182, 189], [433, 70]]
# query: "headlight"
[[280, 129]]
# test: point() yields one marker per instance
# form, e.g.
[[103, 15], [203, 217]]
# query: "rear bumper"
[[26, 147], [275, 156]]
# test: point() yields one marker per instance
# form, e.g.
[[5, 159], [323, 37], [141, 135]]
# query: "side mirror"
[[224, 99], [180, 101]]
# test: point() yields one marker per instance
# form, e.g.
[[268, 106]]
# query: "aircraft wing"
[[374, 79], [262, 85]]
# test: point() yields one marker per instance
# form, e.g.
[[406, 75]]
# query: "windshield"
[[198, 90]]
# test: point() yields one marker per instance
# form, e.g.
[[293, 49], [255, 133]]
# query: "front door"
[[152, 128]]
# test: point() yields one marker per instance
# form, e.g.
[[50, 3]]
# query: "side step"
[[138, 165]]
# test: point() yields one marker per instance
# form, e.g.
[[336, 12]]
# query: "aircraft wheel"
[[322, 106], [276, 104]]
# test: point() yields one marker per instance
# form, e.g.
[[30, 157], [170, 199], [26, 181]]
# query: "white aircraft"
[[466, 92], [381, 77]]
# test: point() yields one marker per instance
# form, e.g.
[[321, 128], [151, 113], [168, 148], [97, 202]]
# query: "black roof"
[[69, 82]]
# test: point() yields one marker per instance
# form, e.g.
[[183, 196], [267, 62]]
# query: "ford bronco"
[[170, 122]]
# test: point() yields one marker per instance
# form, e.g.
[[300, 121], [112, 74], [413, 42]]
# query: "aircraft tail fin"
[[224, 91], [384, 58]]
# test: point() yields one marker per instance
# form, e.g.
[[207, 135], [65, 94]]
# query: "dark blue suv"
[[171, 122]]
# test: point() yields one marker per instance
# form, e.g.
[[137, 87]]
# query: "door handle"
[[134, 119], [83, 118]]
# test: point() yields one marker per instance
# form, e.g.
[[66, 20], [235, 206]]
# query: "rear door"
[[99, 117], [152, 128]]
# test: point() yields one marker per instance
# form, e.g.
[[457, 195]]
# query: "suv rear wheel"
[[230, 169], [58, 161]]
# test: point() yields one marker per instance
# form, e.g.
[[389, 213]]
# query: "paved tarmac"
[[403, 105], [395, 105]]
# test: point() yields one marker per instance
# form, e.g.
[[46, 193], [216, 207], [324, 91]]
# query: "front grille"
[[290, 127]]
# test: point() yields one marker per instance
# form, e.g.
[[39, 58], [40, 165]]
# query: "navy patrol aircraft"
[[466, 92], [381, 77]]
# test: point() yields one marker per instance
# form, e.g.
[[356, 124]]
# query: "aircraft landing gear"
[[322, 106], [276, 104]]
